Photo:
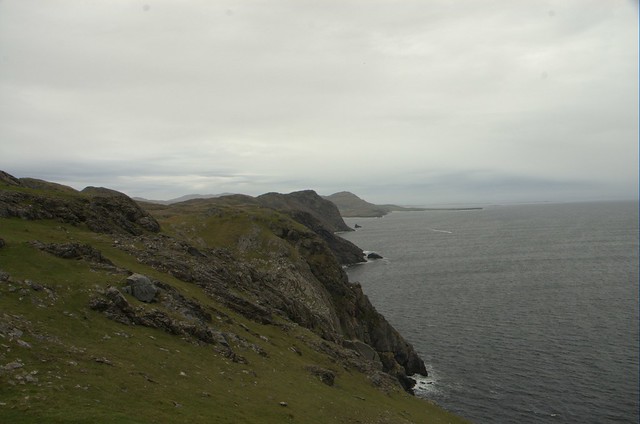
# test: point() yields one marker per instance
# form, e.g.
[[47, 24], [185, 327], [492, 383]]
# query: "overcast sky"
[[403, 101]]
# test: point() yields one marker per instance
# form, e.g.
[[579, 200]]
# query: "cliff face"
[[357, 318], [300, 271], [268, 259]]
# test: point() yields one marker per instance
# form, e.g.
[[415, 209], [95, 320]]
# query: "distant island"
[[352, 206]]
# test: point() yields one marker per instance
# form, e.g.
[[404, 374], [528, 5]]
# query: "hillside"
[[217, 310], [307, 201]]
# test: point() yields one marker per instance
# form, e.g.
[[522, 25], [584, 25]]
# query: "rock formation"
[[102, 210], [141, 287]]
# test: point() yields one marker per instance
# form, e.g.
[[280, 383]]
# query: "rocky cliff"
[[300, 268], [216, 272]]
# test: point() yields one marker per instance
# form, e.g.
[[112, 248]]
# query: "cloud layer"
[[410, 102]]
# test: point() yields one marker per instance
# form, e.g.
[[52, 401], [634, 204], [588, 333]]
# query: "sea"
[[522, 313]]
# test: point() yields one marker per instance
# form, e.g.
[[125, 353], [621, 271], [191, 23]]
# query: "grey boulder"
[[141, 287]]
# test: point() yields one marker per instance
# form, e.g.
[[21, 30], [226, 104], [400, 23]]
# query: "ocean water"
[[522, 313]]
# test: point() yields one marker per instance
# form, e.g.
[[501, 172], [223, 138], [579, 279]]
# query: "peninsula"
[[352, 206], [228, 309]]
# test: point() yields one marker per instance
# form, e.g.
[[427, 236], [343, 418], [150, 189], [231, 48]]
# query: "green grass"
[[153, 376], [229, 227]]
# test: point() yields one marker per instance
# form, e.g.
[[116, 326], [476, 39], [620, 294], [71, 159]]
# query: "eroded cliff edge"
[[270, 258]]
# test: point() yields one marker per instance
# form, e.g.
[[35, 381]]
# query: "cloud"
[[246, 96]]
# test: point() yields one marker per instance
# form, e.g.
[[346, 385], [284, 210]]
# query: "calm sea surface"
[[523, 314]]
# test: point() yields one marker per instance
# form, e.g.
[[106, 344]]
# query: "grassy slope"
[[149, 375]]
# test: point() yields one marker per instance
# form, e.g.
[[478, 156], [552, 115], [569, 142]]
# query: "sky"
[[410, 102]]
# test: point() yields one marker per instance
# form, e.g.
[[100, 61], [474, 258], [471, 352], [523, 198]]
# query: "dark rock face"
[[374, 255], [363, 350], [357, 317], [120, 212], [361, 321], [345, 251]]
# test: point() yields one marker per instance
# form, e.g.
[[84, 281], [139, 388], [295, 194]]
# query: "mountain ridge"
[[184, 198]]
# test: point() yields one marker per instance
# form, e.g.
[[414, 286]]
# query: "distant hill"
[[181, 198], [351, 205], [309, 202]]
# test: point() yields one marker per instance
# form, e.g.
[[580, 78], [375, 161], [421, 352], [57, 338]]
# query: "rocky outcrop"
[[141, 287], [360, 320], [357, 317], [102, 210], [363, 350], [73, 251], [115, 306], [118, 212]]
